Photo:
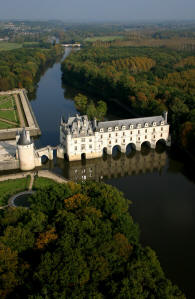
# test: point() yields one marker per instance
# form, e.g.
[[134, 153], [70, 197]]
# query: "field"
[[8, 112], [10, 187], [103, 38], [4, 46]]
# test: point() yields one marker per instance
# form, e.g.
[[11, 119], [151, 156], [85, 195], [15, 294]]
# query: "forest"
[[19, 68], [77, 241], [149, 80]]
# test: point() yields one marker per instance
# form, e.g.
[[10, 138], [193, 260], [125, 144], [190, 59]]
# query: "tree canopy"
[[77, 241]]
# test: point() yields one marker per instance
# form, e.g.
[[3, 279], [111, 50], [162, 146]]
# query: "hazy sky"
[[97, 10]]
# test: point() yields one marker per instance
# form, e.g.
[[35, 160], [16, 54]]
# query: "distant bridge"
[[71, 45]]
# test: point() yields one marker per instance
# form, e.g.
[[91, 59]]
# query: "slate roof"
[[81, 125], [131, 121], [23, 138]]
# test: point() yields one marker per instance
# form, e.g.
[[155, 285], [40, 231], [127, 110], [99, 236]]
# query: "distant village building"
[[80, 137]]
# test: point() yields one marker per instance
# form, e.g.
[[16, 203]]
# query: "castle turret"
[[26, 154]]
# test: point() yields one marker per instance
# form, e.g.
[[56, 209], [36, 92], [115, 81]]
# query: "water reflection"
[[111, 167]]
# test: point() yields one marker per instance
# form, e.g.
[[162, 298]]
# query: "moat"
[[157, 183]]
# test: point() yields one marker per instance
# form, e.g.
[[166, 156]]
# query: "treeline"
[[179, 44], [19, 68], [77, 241], [148, 80]]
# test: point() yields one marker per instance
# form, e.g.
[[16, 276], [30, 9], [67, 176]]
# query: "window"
[[90, 146], [146, 125], [131, 139], [162, 123], [154, 136], [75, 141], [153, 130], [101, 136], [90, 140], [123, 133], [75, 148], [82, 139], [116, 134], [161, 135], [82, 146], [138, 131], [139, 126], [109, 142], [116, 128], [109, 135], [162, 129], [124, 140], [131, 126], [145, 136], [131, 132], [109, 129], [116, 140], [101, 130], [154, 124], [138, 138], [146, 130], [123, 127]]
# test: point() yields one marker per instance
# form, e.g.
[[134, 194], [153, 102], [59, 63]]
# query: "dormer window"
[[101, 130], [139, 126], [146, 125], [109, 129], [116, 128], [123, 127], [162, 123], [154, 124], [131, 126]]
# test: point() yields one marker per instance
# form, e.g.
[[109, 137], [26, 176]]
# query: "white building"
[[80, 137], [28, 156]]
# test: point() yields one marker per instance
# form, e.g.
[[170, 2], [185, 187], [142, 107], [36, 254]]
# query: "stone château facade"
[[80, 137]]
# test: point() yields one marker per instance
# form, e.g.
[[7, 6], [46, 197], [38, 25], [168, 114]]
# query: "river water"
[[159, 185]]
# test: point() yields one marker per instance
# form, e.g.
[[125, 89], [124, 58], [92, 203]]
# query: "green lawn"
[[11, 187], [103, 38], [42, 182], [4, 46], [7, 101], [4, 125], [9, 115]]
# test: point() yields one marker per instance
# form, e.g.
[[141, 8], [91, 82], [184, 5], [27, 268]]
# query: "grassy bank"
[[10, 187]]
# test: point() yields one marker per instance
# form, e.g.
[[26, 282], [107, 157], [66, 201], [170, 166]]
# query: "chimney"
[[95, 122], [165, 114]]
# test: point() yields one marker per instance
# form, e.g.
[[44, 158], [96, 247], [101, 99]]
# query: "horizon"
[[90, 11]]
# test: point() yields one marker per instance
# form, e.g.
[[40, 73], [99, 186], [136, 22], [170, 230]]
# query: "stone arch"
[[104, 153], [145, 147], [160, 145], [130, 149], [44, 159], [83, 156], [104, 150], [116, 151]]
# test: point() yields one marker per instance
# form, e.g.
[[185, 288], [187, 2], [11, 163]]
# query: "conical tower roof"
[[23, 140]]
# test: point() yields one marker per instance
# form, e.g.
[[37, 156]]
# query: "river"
[[159, 185]]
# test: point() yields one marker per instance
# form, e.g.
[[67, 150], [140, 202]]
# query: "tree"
[[81, 102], [84, 245]]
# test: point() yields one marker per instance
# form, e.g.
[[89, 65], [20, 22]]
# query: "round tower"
[[25, 151]]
